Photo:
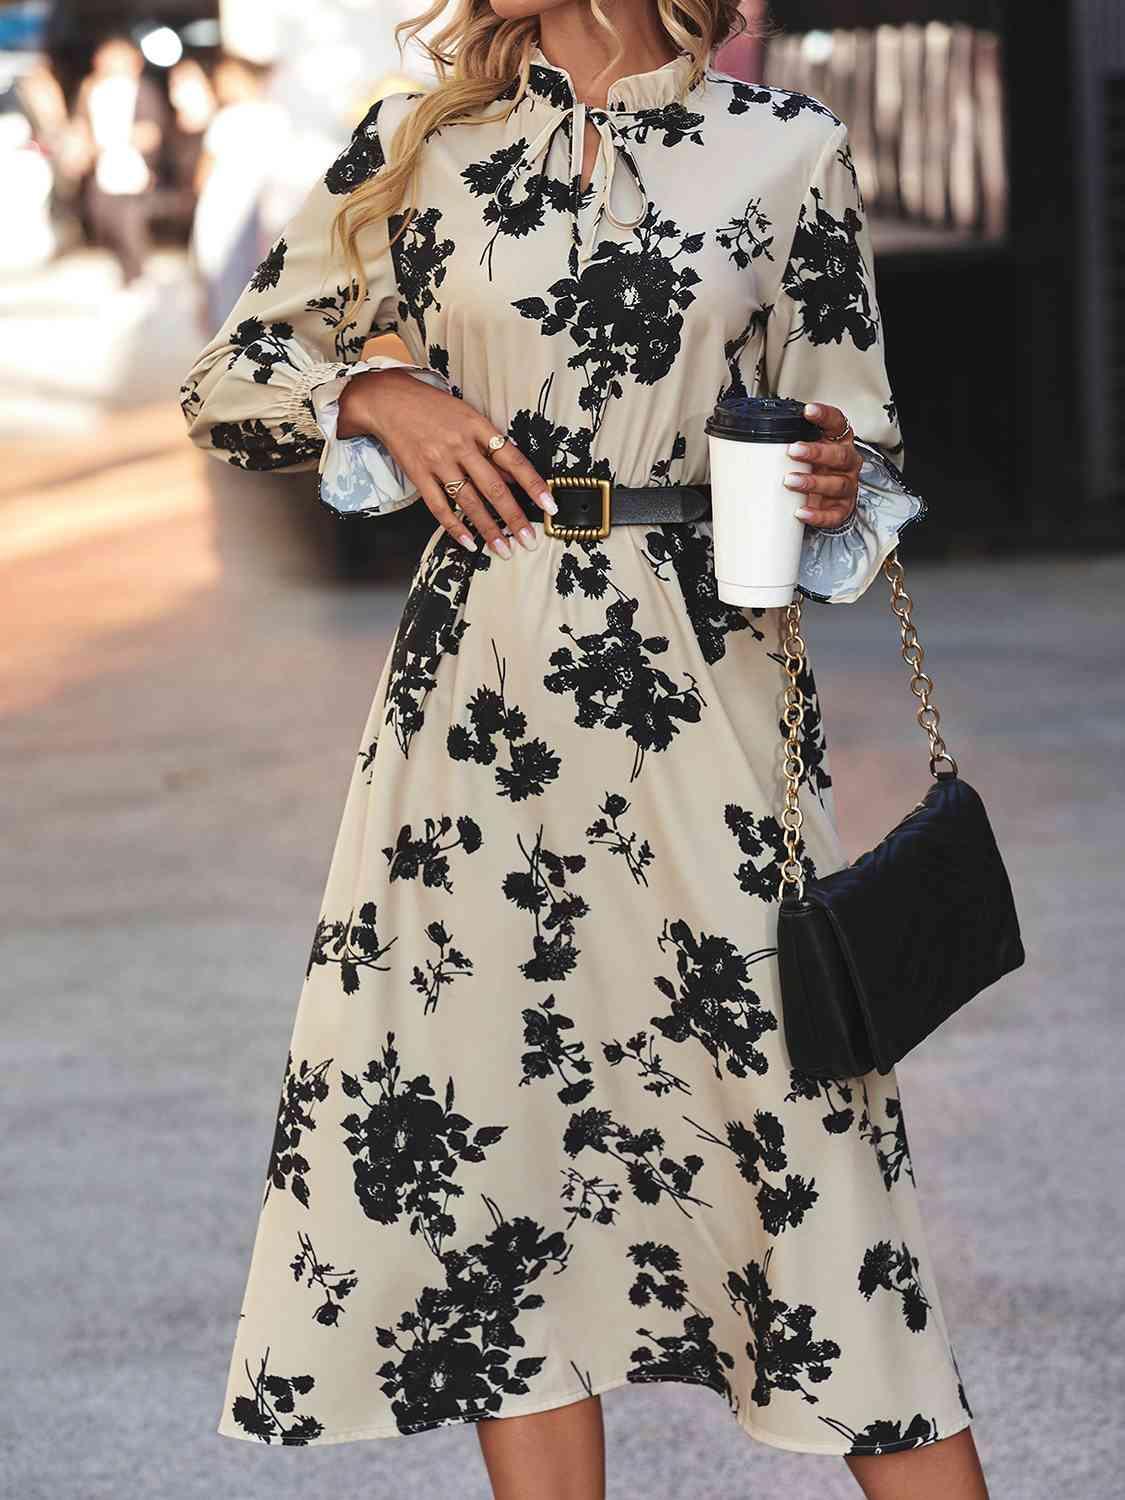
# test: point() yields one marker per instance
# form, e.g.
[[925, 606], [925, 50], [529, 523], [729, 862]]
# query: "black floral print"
[[426, 854], [549, 1052], [607, 831], [786, 1355], [515, 218], [889, 1141], [895, 1271], [589, 1198], [837, 1096], [456, 1346], [827, 277], [553, 447], [784, 104], [640, 1051], [443, 970], [301, 1090], [747, 237], [671, 122], [661, 470], [691, 1356], [351, 945], [616, 684], [542, 83], [532, 762], [712, 1001], [651, 1172], [888, 1437], [538, 1084], [736, 351], [268, 274], [623, 313], [331, 1284], [270, 1411], [542, 890], [760, 1150], [254, 446], [762, 840], [408, 1146], [362, 159], [432, 626], [336, 310], [420, 255], [264, 345]]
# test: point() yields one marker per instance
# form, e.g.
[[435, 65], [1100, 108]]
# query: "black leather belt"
[[589, 506]]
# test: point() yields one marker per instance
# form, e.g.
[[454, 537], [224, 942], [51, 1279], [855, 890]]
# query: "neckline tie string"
[[610, 146]]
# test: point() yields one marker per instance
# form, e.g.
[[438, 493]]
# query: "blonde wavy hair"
[[476, 55]]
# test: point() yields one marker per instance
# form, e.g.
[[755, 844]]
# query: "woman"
[[538, 1134]]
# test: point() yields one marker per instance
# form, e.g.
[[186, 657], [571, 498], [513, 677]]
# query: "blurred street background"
[[191, 653]]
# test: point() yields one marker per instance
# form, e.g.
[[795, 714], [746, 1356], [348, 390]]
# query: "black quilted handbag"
[[874, 957]]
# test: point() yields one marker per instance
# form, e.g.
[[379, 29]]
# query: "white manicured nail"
[[500, 546], [547, 501], [467, 541]]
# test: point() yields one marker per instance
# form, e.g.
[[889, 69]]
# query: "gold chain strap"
[[793, 714]]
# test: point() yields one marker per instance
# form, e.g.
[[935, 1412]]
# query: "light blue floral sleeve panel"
[[358, 476], [839, 563]]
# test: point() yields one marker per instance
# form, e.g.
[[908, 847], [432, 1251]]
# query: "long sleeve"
[[264, 392], [824, 342]]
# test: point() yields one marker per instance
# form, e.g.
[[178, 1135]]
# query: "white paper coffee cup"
[[757, 538]]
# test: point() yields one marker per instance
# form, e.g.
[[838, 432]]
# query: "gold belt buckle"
[[579, 481]]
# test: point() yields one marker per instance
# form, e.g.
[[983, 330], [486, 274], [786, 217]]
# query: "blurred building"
[[988, 140]]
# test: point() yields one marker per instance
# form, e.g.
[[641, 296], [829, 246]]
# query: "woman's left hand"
[[829, 492]]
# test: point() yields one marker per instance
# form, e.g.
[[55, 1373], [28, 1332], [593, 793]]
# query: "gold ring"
[[496, 441], [454, 486]]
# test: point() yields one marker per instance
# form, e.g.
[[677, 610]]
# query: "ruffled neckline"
[[646, 90]]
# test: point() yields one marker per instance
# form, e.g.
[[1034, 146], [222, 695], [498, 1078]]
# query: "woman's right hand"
[[436, 438]]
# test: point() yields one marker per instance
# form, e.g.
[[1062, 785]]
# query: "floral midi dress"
[[538, 1134]]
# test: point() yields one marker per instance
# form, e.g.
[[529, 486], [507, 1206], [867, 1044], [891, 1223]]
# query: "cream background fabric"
[[538, 1133]]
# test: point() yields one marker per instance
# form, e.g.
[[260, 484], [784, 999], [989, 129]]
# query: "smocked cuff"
[[838, 564], [297, 403], [358, 476]]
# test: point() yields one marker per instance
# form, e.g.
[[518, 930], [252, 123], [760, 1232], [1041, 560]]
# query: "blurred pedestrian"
[[40, 96], [123, 117], [193, 102], [244, 141], [41, 99], [25, 170]]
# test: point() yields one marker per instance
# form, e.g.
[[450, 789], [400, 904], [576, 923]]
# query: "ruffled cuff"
[[358, 476], [839, 563]]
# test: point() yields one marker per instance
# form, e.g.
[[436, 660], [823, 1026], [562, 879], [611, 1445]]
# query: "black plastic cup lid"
[[760, 419]]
